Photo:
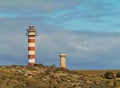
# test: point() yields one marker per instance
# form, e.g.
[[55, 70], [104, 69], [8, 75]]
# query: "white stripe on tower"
[[31, 45]]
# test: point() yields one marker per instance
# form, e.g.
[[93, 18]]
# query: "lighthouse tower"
[[62, 60], [31, 33]]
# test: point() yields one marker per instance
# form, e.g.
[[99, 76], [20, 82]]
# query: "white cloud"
[[37, 5], [100, 43]]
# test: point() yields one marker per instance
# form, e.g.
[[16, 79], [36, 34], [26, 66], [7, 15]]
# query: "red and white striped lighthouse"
[[31, 33]]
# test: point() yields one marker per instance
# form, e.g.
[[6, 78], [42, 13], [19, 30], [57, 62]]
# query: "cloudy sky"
[[87, 30]]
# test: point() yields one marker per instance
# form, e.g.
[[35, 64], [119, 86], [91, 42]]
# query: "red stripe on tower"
[[31, 45], [31, 48], [31, 40], [31, 56]]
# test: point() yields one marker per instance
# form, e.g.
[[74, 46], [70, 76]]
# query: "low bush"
[[118, 75], [109, 75], [38, 64]]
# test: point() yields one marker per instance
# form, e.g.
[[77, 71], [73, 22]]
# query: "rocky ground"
[[51, 77]]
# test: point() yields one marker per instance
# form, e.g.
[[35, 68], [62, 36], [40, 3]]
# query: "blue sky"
[[87, 30]]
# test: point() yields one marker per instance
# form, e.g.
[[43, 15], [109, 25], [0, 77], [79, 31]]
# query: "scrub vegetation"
[[40, 76]]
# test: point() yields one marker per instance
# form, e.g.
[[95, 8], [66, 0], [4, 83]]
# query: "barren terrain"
[[54, 77]]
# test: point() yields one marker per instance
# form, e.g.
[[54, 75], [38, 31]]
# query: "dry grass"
[[54, 77], [97, 72]]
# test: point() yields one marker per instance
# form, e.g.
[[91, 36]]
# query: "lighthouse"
[[31, 33], [62, 60]]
